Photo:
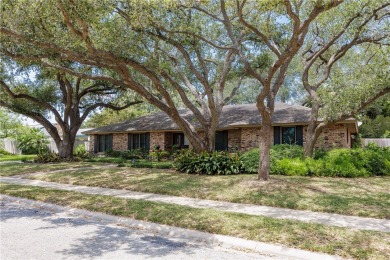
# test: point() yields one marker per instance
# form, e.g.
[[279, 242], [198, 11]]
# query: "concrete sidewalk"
[[237, 248], [361, 223]]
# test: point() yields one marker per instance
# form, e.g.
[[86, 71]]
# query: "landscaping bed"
[[308, 236]]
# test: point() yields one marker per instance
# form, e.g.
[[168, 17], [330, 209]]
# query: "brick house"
[[238, 129]]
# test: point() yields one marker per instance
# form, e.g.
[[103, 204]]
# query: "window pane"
[[142, 142], [135, 141], [221, 140], [288, 135], [178, 139], [101, 143]]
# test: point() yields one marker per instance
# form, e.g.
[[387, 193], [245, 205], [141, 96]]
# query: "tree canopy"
[[197, 54]]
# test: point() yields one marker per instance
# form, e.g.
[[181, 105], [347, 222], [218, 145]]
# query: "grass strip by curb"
[[315, 237]]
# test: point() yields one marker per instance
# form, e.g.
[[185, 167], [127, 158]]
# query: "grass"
[[13, 168], [315, 237], [367, 197], [13, 157], [106, 159], [138, 163]]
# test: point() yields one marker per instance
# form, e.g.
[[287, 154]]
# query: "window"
[[288, 135], [221, 140], [178, 139], [139, 141], [103, 143]]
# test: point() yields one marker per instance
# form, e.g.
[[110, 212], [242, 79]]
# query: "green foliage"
[[250, 159], [112, 153], [10, 124], [4, 152], [81, 152], [109, 116], [127, 155], [32, 141], [375, 128], [281, 151], [47, 157], [159, 155], [134, 154], [289, 167], [377, 159], [359, 162], [215, 163], [343, 163]]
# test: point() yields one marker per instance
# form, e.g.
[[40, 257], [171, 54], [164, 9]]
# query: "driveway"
[[29, 232]]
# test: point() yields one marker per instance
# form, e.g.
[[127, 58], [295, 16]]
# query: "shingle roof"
[[231, 116]]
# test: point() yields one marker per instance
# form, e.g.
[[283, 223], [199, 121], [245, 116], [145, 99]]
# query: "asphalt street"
[[34, 233]]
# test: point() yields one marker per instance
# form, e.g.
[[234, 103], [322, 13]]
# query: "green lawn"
[[12, 168], [369, 197], [138, 163], [315, 237], [4, 158]]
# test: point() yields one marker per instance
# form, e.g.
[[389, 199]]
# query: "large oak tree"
[[159, 50], [68, 99], [274, 33]]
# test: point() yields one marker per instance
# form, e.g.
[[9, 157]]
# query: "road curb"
[[181, 234]]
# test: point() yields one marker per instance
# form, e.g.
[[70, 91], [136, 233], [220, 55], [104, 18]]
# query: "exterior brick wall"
[[234, 139], [91, 141], [244, 139], [119, 142], [332, 137], [250, 138], [157, 138]]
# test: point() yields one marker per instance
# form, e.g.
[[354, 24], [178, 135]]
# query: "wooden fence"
[[383, 142], [10, 145]]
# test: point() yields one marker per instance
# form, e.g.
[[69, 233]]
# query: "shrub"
[[319, 153], [4, 152], [290, 167], [133, 154], [287, 160], [32, 141], [282, 151], [112, 153], [81, 152], [219, 163], [159, 155], [377, 159], [250, 160], [47, 157]]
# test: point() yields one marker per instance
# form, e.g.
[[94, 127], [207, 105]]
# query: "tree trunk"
[[310, 140], [65, 151], [65, 147], [265, 146], [265, 140], [313, 130]]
